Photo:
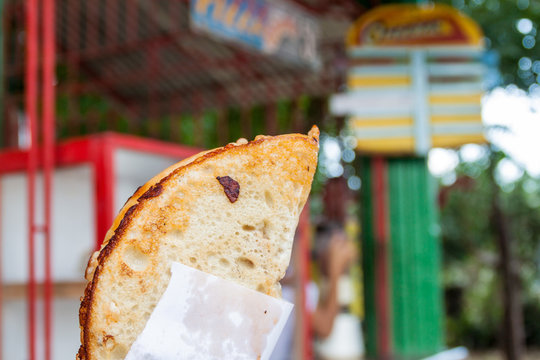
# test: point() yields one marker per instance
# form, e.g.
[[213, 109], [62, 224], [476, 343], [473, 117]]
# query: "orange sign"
[[415, 26]]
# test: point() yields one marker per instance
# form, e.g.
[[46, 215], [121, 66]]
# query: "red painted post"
[[104, 178], [48, 93], [380, 209], [31, 92], [307, 354], [1, 276]]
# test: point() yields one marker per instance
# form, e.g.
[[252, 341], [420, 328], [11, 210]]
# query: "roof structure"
[[144, 56]]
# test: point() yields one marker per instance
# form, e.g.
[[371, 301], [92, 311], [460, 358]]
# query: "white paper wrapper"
[[201, 316]]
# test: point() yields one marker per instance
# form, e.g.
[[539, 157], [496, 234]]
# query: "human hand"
[[342, 253]]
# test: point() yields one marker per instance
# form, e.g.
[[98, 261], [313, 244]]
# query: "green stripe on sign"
[[416, 292], [368, 256], [397, 223]]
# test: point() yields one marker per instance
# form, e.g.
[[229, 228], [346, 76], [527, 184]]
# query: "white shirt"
[[284, 346]]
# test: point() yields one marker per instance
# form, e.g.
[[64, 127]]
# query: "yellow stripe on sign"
[[386, 146], [457, 140], [383, 122], [455, 99], [462, 118], [375, 81]]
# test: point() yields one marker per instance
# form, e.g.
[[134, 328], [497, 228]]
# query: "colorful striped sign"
[[424, 91]]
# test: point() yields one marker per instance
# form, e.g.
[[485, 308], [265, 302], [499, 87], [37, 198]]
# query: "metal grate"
[[139, 60]]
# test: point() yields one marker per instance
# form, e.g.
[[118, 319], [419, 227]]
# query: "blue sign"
[[275, 28]]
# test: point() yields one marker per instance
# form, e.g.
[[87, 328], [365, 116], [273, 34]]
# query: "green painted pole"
[[368, 257], [413, 261]]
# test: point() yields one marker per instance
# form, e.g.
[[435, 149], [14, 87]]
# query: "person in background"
[[336, 255], [333, 254]]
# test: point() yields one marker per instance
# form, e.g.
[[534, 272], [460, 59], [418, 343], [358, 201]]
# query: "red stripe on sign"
[[380, 210], [31, 94], [48, 94]]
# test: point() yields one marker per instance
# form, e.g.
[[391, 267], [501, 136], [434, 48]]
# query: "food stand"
[[156, 69]]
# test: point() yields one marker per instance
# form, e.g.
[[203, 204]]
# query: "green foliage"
[[122, 124], [284, 116], [518, 50], [165, 128], [470, 254], [187, 129], [210, 129], [257, 120]]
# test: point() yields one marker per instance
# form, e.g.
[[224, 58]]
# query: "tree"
[[511, 29], [472, 243]]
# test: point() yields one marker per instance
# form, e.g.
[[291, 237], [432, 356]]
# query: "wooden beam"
[[64, 290]]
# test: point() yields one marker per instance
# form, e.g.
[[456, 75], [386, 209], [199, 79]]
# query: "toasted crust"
[[153, 189]]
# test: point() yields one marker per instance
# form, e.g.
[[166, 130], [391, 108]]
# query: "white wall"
[[65, 330], [133, 169], [73, 235], [72, 225]]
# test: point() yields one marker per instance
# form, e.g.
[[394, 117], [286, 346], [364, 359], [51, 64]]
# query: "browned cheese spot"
[[154, 191], [230, 186]]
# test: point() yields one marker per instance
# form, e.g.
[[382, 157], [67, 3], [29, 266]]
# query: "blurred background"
[[421, 236]]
